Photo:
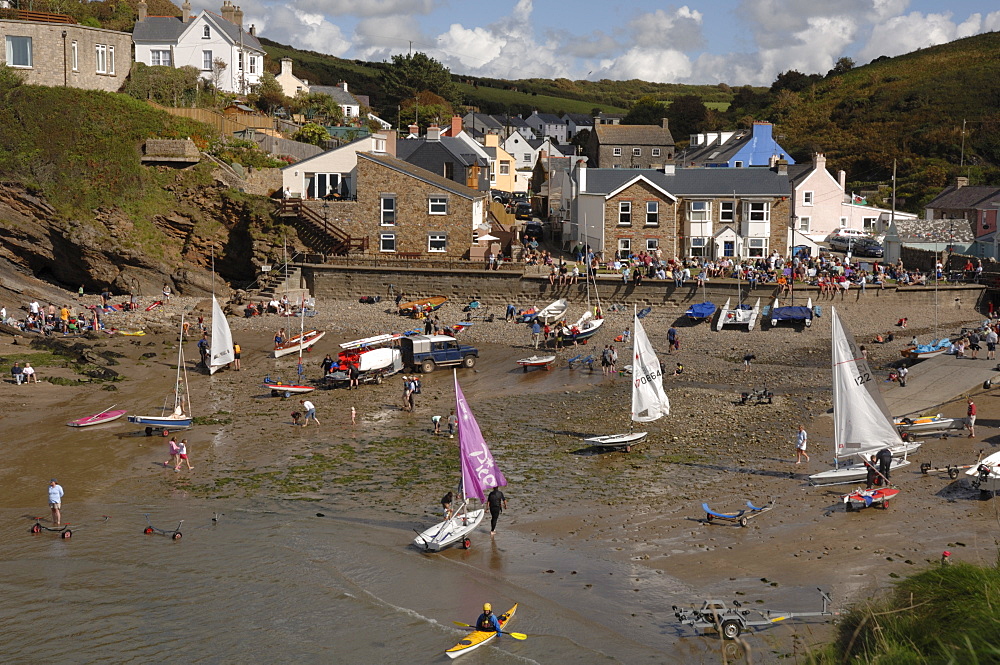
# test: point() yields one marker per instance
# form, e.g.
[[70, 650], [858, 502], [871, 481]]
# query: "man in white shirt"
[[55, 501], [310, 410]]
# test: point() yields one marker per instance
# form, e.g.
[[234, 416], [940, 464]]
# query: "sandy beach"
[[628, 527]]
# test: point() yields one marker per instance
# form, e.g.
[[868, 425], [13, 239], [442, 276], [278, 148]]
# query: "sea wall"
[[501, 287]]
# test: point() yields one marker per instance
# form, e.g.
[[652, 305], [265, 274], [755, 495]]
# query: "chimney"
[[143, 10], [238, 18], [185, 12], [414, 130], [669, 169], [842, 179], [253, 30], [961, 182], [227, 10], [433, 132], [581, 175], [286, 66], [342, 85], [819, 161], [456, 125], [781, 166], [664, 123], [492, 141]]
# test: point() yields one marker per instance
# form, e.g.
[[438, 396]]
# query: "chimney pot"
[[143, 10], [185, 11]]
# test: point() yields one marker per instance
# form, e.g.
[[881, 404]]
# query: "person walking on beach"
[[498, 504], [901, 375], [606, 360], [536, 333], [55, 501], [452, 424], [747, 359], [991, 344], [800, 445], [354, 416], [182, 454], [310, 409], [172, 460], [446, 504], [407, 390], [236, 357], [436, 421], [970, 422]]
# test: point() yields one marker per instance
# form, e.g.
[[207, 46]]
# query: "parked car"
[[868, 247], [523, 211], [425, 352], [533, 231]]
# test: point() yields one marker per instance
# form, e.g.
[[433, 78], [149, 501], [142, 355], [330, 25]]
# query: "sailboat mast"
[[178, 402]]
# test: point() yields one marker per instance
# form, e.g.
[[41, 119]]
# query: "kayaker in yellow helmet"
[[487, 621]]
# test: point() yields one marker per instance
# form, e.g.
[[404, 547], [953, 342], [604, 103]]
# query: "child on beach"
[[436, 420], [182, 454], [297, 416], [172, 447]]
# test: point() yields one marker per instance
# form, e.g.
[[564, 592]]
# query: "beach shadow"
[[752, 472]]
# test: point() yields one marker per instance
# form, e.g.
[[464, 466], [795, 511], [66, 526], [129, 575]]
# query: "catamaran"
[[649, 401], [222, 340], [861, 422], [179, 416], [479, 474], [741, 315]]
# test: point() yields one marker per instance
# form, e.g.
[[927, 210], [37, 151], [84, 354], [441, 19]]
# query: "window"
[[159, 58], [616, 166], [728, 248], [437, 242], [727, 211], [699, 211], [527, 156], [655, 152], [738, 164], [759, 211], [624, 247], [111, 60], [206, 33], [74, 56], [348, 110], [437, 205], [18, 51], [652, 213], [388, 208], [206, 61], [493, 172], [804, 223], [636, 152], [698, 246], [843, 222], [617, 152], [624, 213], [652, 244], [807, 198], [869, 223], [387, 242], [102, 58], [449, 170], [756, 247], [253, 68], [239, 62], [504, 168]]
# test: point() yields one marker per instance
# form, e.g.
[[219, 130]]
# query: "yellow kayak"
[[478, 638]]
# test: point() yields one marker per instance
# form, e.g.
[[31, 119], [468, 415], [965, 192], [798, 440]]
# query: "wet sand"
[[625, 528]]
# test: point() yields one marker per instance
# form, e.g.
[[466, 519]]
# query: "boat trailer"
[[730, 622], [742, 517]]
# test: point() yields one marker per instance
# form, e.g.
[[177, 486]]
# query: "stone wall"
[[263, 182], [52, 54], [172, 148], [665, 232]]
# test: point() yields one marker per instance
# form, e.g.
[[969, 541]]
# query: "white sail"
[[649, 402], [222, 340], [861, 420]]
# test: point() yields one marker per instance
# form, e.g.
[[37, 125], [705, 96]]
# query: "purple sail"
[[480, 473]]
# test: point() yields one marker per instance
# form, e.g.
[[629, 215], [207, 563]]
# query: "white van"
[[847, 234]]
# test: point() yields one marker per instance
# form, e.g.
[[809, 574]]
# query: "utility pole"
[[962, 161]]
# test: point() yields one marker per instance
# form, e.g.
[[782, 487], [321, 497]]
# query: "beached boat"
[[421, 305], [986, 474], [179, 414], [105, 416], [700, 311], [299, 343], [862, 425], [581, 331], [792, 313], [537, 361], [925, 351], [371, 356], [280, 388], [741, 315], [649, 401], [478, 638], [928, 424], [553, 311], [860, 498], [221, 353], [479, 475]]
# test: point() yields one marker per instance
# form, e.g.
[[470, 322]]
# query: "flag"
[[860, 200]]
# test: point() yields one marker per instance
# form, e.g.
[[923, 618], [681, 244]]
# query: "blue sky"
[[730, 41]]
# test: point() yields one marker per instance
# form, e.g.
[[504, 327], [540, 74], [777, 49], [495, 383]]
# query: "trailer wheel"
[[953, 473], [148, 530], [66, 534], [885, 505], [467, 543], [36, 529], [730, 629], [985, 495], [744, 521], [628, 449], [176, 536], [708, 516], [378, 379]]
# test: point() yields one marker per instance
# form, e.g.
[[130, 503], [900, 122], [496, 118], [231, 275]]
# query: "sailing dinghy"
[[180, 415], [553, 312], [479, 474], [222, 340], [861, 422], [649, 401], [106, 416], [792, 313]]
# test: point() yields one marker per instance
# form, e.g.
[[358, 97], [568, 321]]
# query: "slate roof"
[[339, 95], [580, 119], [798, 172], [456, 147], [550, 118], [957, 231], [716, 153], [633, 135], [695, 182], [969, 196], [510, 121], [169, 29], [423, 175]]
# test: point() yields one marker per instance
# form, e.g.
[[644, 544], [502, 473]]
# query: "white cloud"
[[367, 8], [909, 32], [680, 30], [311, 32], [654, 65]]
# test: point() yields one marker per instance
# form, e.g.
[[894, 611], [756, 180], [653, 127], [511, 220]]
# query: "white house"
[[548, 124], [291, 84], [525, 151], [333, 174], [199, 41]]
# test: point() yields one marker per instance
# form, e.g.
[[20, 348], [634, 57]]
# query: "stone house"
[[408, 211], [53, 50], [630, 146], [961, 201], [447, 156], [198, 41]]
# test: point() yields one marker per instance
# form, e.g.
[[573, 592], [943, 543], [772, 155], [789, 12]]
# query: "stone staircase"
[[317, 232], [278, 285]]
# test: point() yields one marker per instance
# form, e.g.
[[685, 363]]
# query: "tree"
[[794, 81], [843, 65], [326, 107], [580, 140], [646, 111], [411, 74], [164, 85], [425, 109], [312, 133], [268, 95], [219, 67], [687, 115]]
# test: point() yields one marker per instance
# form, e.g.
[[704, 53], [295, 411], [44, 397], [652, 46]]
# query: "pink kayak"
[[98, 418]]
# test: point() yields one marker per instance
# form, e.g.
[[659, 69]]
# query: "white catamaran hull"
[[738, 317], [450, 531], [990, 481]]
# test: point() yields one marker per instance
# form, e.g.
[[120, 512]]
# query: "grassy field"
[[475, 96]]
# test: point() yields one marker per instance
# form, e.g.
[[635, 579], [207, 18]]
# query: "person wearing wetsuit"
[[884, 457], [872, 479], [498, 503], [487, 621]]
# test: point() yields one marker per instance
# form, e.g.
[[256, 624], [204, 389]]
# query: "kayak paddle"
[[516, 636]]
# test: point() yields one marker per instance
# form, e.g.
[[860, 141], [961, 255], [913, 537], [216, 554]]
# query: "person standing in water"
[[498, 503], [55, 501]]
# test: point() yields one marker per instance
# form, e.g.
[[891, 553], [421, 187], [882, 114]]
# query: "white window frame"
[[756, 247], [493, 172], [843, 222], [655, 152], [807, 198], [624, 247], [617, 152], [387, 214], [804, 224], [74, 48], [527, 156], [20, 39], [758, 211], [386, 239], [699, 211], [504, 167], [206, 32], [727, 211], [652, 244], [698, 247], [442, 243], [738, 164], [437, 205], [624, 213], [161, 55], [239, 61], [869, 224], [652, 213], [101, 58], [252, 62], [637, 152], [111, 60], [206, 61]]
